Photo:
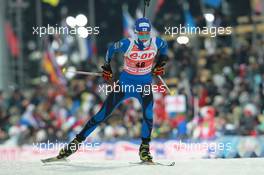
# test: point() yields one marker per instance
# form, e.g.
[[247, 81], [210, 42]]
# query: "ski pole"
[[146, 4], [166, 86], [82, 72]]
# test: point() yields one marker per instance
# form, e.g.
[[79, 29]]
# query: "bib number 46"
[[140, 64]]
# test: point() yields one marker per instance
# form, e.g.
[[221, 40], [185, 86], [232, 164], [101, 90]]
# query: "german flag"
[[49, 68]]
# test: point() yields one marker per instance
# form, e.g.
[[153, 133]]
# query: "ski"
[[153, 163], [53, 159]]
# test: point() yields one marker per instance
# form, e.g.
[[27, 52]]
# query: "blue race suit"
[[133, 51]]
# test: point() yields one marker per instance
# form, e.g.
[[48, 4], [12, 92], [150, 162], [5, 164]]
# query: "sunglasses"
[[143, 35]]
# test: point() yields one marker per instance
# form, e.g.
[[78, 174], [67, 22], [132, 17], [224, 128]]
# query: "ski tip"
[[172, 164], [153, 163], [53, 159], [165, 164], [44, 161]]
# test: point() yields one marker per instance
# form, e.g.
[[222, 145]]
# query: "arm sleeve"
[[162, 46], [118, 47]]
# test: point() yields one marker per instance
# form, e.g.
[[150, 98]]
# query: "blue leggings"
[[112, 102]]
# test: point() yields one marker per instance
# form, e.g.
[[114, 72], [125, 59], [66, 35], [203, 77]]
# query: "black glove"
[[107, 72], [159, 67]]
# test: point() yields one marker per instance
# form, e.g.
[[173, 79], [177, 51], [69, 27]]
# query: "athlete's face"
[[143, 36]]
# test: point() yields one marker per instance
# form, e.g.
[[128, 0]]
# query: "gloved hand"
[[107, 72], [158, 69]]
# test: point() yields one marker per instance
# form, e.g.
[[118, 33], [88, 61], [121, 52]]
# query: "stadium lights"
[[182, 39], [83, 32], [70, 21], [44, 78], [81, 20], [61, 59], [209, 17]]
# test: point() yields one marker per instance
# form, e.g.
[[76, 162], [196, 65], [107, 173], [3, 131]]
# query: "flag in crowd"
[[52, 68], [128, 23], [12, 40], [87, 48]]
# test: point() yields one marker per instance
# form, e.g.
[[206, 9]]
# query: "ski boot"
[[144, 153], [71, 148]]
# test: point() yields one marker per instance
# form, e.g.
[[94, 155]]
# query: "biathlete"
[[139, 57]]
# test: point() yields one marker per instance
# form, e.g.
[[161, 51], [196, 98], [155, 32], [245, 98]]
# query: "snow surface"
[[246, 166]]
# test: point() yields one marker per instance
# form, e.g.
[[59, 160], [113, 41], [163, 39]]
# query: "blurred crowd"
[[223, 90], [229, 81], [219, 90]]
